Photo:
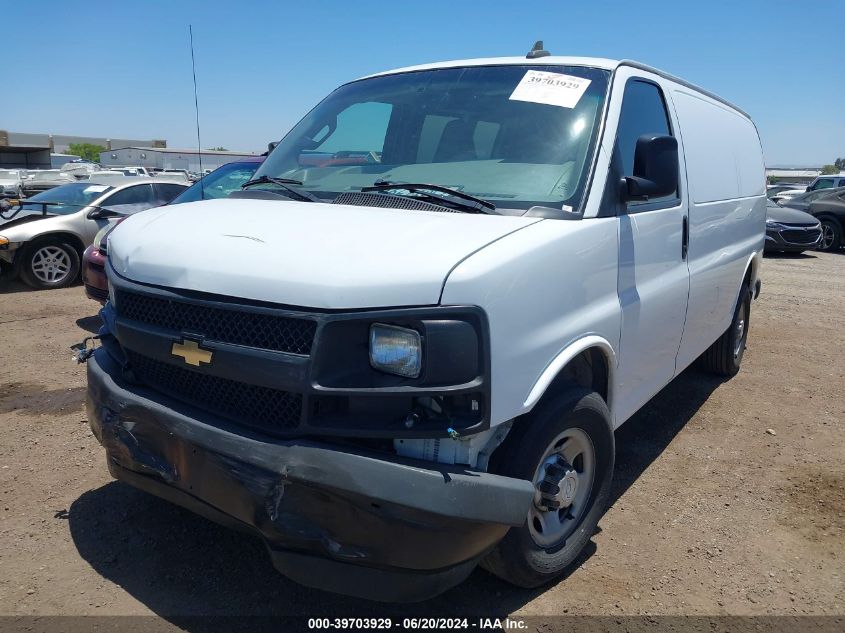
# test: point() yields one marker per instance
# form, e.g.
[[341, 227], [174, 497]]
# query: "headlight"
[[395, 350], [773, 225], [100, 237]]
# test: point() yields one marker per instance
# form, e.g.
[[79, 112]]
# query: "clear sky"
[[123, 69]]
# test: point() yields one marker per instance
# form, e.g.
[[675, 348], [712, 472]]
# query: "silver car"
[[44, 179], [11, 183], [42, 238]]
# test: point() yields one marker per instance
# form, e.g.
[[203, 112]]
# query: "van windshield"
[[516, 135]]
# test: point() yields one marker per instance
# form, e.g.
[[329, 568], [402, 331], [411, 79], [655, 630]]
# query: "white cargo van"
[[403, 349]]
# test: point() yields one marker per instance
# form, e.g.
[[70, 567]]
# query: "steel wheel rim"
[[548, 526], [740, 331], [51, 264], [827, 236]]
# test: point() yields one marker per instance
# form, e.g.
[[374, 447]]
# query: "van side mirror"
[[655, 168]]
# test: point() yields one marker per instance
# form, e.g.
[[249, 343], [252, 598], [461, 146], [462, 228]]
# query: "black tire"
[[830, 224], [518, 558], [33, 253], [724, 357]]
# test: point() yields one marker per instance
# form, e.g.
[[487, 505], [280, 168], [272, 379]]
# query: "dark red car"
[[94, 268], [218, 184]]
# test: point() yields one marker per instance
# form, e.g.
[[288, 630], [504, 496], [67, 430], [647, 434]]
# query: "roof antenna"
[[537, 51], [197, 110]]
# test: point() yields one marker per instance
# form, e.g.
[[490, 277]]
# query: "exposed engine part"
[[472, 450]]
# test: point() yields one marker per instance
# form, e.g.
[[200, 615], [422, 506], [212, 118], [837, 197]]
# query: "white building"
[[168, 158], [792, 174]]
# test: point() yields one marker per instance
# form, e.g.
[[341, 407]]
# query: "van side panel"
[[727, 213], [543, 288]]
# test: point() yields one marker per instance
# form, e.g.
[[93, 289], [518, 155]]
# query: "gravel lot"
[[729, 497]]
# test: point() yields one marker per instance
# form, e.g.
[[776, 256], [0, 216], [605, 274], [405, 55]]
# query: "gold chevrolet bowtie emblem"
[[191, 352]]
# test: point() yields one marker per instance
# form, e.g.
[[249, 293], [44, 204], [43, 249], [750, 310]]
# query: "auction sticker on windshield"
[[555, 89]]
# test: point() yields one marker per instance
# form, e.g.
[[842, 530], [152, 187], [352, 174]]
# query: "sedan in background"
[[218, 184], [790, 230], [802, 201], [830, 211], [221, 182], [42, 238]]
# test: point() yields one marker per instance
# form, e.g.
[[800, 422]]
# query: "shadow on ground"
[[89, 323], [178, 564], [11, 285], [788, 255]]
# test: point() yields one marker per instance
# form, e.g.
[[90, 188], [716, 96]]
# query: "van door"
[[653, 283]]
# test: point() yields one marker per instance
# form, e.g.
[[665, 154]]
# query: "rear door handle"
[[685, 238]]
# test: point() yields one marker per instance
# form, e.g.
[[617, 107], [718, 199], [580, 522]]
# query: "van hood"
[[317, 255]]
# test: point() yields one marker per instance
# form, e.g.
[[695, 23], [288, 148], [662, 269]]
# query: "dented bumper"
[[363, 524]]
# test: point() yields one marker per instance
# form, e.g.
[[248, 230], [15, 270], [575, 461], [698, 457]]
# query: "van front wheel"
[[566, 448], [724, 357]]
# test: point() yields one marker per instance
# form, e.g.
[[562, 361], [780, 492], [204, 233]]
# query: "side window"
[[137, 195], [823, 183], [643, 112], [165, 192]]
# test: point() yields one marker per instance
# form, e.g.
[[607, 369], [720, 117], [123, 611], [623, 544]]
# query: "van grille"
[[234, 325], [268, 410]]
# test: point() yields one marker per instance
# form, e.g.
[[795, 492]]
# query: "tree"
[[840, 164], [830, 169], [217, 149], [88, 151]]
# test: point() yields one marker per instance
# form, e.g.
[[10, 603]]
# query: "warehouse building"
[[167, 158], [22, 150], [792, 174]]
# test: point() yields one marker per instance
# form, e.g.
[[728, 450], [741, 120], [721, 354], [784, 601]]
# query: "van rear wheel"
[[724, 357], [566, 448]]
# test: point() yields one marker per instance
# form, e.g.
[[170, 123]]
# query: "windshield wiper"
[[288, 184], [453, 197]]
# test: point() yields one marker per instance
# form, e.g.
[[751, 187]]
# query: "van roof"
[[558, 60]]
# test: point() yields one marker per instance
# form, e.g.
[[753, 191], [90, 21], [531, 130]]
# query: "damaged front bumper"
[[364, 524]]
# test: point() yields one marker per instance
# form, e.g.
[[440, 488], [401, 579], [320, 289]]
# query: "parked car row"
[[810, 220], [16, 184], [42, 238], [20, 183], [785, 191]]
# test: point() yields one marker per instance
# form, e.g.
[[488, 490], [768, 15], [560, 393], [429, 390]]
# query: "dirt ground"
[[729, 497]]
